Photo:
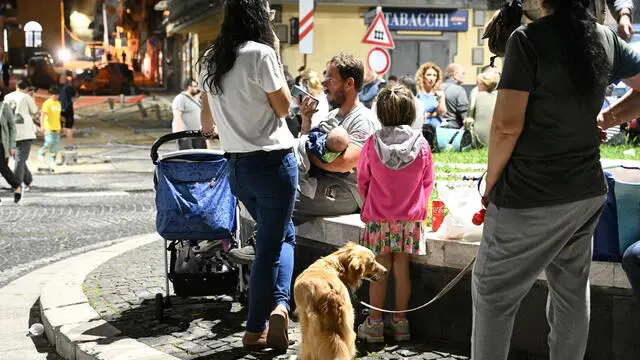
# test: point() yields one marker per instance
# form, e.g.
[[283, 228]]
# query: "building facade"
[[31, 26], [442, 31]]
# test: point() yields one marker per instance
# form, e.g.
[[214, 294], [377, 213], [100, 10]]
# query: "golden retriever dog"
[[321, 293]]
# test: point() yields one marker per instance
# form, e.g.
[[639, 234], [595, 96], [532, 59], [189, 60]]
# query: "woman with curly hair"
[[246, 96], [428, 81], [545, 188]]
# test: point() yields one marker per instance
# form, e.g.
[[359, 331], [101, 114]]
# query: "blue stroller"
[[197, 215]]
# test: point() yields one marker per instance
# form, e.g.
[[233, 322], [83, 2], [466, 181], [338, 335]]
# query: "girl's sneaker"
[[371, 331], [400, 329]]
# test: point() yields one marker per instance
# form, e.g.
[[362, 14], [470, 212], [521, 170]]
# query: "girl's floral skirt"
[[384, 237]]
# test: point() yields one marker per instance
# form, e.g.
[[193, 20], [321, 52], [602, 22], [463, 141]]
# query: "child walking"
[[395, 179], [51, 125]]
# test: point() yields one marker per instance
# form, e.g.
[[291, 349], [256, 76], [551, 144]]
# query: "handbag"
[[501, 25], [619, 225]]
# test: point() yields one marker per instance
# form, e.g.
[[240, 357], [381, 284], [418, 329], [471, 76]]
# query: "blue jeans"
[[631, 265], [266, 185]]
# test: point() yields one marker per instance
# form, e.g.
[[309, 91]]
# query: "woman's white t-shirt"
[[242, 113]]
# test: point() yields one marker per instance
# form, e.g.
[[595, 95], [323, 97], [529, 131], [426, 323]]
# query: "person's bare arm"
[[207, 124], [442, 107], [506, 127], [280, 100], [627, 109], [343, 163], [178, 119]]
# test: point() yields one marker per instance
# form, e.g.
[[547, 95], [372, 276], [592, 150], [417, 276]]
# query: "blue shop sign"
[[426, 19]]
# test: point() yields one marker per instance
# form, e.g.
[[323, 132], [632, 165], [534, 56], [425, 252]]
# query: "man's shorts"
[[67, 117]]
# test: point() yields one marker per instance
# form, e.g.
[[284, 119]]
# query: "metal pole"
[[62, 24], [105, 35]]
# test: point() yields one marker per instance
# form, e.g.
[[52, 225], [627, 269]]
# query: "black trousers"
[[5, 171]]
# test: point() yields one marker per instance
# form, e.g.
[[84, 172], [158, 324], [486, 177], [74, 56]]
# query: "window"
[[478, 18], [477, 56], [32, 34]]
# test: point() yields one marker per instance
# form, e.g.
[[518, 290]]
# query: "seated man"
[[336, 192]]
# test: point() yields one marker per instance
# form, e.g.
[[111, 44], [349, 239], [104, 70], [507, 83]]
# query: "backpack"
[[501, 25]]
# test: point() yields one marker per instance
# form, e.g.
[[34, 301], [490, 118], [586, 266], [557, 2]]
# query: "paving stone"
[[200, 328], [405, 353], [193, 348], [431, 356]]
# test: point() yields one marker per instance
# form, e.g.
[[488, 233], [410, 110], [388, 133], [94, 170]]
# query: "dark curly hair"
[[587, 65], [244, 20]]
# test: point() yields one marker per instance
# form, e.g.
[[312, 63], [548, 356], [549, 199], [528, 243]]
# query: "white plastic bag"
[[463, 202]]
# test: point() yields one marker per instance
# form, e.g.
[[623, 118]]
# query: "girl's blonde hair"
[[420, 75], [395, 106], [312, 80], [489, 80]]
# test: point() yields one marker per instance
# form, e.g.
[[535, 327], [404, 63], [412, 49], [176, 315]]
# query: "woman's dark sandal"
[[259, 344], [277, 334]]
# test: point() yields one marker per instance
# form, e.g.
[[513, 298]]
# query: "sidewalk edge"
[[73, 326]]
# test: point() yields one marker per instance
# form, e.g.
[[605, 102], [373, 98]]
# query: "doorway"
[[408, 55]]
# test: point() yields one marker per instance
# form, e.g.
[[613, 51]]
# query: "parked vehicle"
[[111, 79], [40, 72]]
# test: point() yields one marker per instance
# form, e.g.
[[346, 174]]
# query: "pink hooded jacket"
[[395, 175]]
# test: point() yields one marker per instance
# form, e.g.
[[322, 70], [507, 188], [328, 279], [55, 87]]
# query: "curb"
[[74, 327]]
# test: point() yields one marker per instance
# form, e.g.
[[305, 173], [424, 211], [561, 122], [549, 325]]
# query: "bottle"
[[437, 214]]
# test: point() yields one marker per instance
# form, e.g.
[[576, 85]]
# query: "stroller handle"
[[170, 137]]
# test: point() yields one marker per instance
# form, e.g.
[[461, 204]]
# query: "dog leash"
[[478, 219], [442, 292]]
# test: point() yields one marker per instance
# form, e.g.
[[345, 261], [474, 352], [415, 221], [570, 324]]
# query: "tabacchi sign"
[[426, 19]]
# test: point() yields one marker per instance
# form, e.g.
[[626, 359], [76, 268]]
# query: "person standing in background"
[[67, 96], [186, 115], [8, 148], [369, 91], [24, 109], [622, 11], [51, 125]]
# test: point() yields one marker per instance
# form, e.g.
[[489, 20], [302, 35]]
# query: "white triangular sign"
[[378, 33]]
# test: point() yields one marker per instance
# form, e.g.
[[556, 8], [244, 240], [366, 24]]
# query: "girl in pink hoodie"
[[395, 179]]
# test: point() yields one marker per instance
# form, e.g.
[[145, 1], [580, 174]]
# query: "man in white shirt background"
[[186, 115], [24, 108]]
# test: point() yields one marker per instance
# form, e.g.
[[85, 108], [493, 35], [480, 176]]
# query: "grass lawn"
[[446, 172], [479, 156]]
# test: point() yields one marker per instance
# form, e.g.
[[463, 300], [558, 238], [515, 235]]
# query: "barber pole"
[[305, 27]]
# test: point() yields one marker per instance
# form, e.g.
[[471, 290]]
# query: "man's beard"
[[338, 100], [194, 92]]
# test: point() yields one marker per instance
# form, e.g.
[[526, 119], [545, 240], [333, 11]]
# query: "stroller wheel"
[[159, 306]]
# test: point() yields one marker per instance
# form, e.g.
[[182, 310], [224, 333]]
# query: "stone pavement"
[[122, 291]]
